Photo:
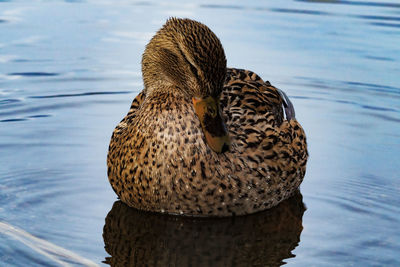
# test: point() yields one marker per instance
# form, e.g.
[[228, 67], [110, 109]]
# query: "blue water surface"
[[69, 70]]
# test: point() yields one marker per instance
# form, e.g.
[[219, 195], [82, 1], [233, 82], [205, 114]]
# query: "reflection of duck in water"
[[202, 139], [136, 238]]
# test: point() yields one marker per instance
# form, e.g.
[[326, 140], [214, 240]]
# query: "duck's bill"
[[212, 123]]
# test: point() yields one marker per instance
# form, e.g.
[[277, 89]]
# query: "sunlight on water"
[[70, 69], [46, 249]]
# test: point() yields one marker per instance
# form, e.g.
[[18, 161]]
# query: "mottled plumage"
[[159, 159]]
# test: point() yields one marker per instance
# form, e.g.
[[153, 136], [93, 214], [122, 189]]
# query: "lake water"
[[68, 73]]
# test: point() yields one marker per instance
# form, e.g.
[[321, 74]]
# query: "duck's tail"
[[287, 106]]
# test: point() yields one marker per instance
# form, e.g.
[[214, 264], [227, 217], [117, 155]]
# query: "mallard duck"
[[202, 139]]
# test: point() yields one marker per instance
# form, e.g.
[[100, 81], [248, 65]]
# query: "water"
[[69, 70]]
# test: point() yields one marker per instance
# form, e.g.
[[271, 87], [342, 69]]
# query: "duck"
[[202, 139]]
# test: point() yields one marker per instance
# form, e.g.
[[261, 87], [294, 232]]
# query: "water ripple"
[[41, 144], [374, 194], [57, 254], [361, 206], [260, 8], [14, 120], [299, 11], [384, 117], [348, 86], [354, 3], [4, 102], [26, 118], [77, 79], [379, 58], [33, 74], [392, 25], [36, 109], [83, 94], [40, 116], [375, 87], [387, 18], [222, 6], [322, 13], [368, 107]]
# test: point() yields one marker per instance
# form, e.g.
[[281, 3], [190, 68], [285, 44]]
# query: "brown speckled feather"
[[159, 160]]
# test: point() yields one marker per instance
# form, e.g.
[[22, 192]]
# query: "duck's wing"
[[261, 119], [246, 95]]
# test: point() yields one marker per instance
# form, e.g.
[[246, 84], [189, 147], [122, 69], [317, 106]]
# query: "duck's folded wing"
[[262, 118]]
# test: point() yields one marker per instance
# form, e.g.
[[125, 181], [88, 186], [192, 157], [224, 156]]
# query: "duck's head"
[[186, 55]]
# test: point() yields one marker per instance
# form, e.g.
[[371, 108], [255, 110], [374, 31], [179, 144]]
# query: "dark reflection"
[[135, 238]]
